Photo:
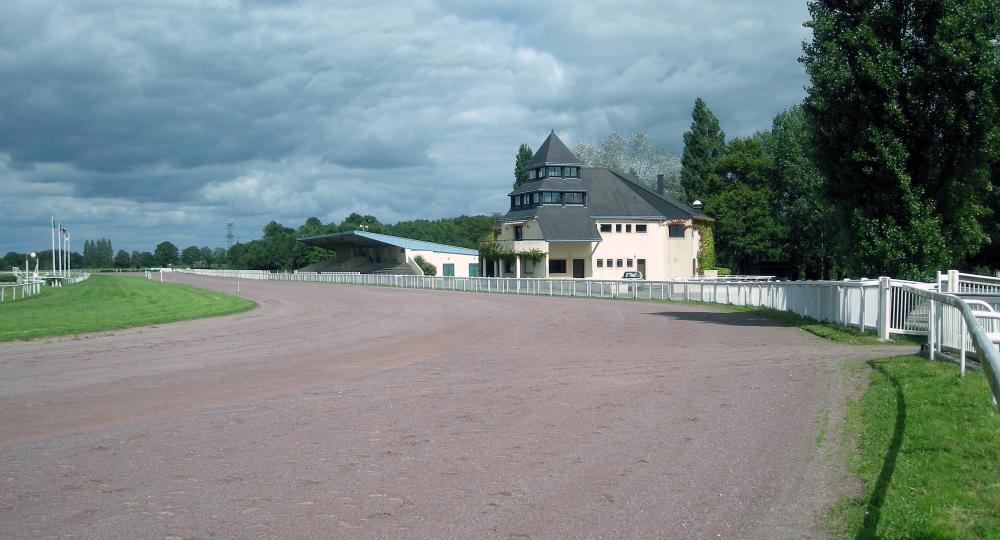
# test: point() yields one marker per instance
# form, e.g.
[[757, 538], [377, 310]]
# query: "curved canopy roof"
[[370, 239]]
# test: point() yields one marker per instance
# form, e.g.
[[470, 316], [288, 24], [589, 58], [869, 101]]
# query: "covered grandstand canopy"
[[369, 239]]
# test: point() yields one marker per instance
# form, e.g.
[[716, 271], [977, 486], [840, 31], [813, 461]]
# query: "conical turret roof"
[[553, 152]]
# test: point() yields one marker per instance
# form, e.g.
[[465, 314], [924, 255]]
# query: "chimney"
[[659, 184], [696, 205]]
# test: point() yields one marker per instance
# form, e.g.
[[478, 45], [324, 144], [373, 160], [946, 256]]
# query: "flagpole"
[[58, 269], [53, 231]]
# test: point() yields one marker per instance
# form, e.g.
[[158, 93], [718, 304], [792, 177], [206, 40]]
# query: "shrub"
[[428, 268]]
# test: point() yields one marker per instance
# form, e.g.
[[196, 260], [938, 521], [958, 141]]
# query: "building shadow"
[[729, 319]]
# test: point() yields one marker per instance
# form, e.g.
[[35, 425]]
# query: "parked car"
[[632, 275]]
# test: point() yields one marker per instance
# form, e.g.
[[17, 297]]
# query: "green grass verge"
[[928, 454], [106, 302]]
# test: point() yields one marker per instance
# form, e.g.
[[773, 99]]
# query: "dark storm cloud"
[[164, 119]]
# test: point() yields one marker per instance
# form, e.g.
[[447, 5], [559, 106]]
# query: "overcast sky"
[[162, 120]]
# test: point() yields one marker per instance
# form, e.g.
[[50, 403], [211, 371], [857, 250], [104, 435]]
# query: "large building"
[[374, 253], [594, 223]]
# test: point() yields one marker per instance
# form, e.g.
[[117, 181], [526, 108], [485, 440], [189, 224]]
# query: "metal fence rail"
[[955, 327]]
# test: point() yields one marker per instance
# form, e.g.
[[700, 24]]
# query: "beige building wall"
[[439, 259], [665, 257]]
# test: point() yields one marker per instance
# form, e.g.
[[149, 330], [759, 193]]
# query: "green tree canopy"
[[191, 255], [704, 146], [521, 161], [122, 259], [904, 112], [165, 254], [749, 226]]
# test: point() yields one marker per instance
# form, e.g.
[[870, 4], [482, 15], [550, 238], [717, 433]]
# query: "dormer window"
[[570, 172], [531, 174], [555, 171], [541, 172]]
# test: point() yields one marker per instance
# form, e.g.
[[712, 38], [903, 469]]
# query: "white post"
[[953, 281], [931, 327], [884, 284], [861, 317], [53, 244], [69, 259]]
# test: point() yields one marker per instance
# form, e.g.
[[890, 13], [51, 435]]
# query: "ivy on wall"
[[706, 246]]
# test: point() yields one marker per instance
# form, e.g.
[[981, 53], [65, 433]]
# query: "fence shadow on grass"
[[726, 318], [873, 510]]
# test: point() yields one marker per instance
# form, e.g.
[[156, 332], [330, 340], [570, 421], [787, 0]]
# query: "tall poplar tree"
[[903, 107], [704, 146], [521, 161]]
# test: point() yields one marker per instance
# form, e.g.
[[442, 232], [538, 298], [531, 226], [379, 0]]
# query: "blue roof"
[[329, 240]]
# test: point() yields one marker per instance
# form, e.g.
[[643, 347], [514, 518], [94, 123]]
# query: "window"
[[549, 197], [605, 227], [610, 263], [555, 171], [557, 266], [569, 172], [517, 200], [541, 172], [640, 228], [573, 198], [628, 227], [600, 263], [518, 232], [534, 198], [508, 266], [675, 231], [618, 228], [628, 263], [531, 174]]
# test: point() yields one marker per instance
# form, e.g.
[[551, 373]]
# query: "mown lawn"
[[928, 454], [106, 302]]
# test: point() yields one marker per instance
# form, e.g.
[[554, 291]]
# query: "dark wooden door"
[[578, 268]]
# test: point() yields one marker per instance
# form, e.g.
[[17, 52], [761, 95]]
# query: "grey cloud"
[[146, 121]]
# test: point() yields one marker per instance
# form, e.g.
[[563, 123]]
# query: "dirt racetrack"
[[358, 412]]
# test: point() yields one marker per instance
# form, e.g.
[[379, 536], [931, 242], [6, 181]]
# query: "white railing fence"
[[26, 284], [31, 283], [885, 305], [956, 327]]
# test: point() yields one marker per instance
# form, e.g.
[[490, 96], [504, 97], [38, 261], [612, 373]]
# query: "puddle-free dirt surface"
[[360, 412]]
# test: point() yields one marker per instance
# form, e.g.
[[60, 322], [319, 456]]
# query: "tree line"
[[889, 166]]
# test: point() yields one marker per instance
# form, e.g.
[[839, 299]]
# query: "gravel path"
[[347, 412]]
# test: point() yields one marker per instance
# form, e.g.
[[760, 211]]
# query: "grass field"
[[106, 302], [928, 454]]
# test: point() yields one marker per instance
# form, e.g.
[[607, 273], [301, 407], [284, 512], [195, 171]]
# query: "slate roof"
[[550, 184], [560, 223], [553, 152], [609, 195], [365, 238]]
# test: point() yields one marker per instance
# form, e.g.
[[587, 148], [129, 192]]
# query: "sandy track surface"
[[345, 411]]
